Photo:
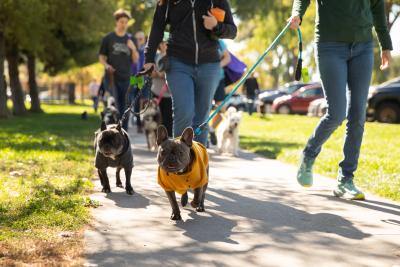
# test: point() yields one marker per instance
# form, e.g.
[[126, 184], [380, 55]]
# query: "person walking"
[[219, 95], [117, 53], [251, 89], [193, 71], [94, 91], [344, 56], [160, 89]]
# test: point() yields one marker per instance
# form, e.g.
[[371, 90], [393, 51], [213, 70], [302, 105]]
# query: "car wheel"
[[284, 109], [388, 113]]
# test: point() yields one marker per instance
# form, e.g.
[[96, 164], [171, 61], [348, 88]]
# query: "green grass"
[[283, 137], [45, 171]]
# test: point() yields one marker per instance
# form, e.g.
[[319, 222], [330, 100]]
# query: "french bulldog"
[[183, 165], [113, 149]]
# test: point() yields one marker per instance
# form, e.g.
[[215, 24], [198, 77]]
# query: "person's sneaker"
[[213, 138], [347, 189], [304, 174]]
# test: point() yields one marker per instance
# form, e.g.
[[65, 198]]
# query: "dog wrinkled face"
[[111, 140], [174, 155]]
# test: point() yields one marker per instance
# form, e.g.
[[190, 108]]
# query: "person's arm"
[[382, 31], [300, 7], [103, 55], [227, 29], [226, 58], [298, 11], [380, 24], [156, 33]]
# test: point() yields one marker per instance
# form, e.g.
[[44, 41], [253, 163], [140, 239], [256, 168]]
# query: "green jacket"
[[348, 20]]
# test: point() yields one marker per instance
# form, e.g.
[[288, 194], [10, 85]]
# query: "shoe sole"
[[350, 197]]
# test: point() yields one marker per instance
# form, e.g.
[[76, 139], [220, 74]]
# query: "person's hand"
[[294, 22], [386, 58], [109, 68], [131, 45], [147, 68], [210, 22]]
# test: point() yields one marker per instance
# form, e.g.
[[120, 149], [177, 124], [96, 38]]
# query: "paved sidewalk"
[[256, 215]]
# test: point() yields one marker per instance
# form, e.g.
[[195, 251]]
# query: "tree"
[[3, 88]]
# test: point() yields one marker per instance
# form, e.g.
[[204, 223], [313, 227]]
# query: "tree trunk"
[[3, 86], [15, 84], [33, 89]]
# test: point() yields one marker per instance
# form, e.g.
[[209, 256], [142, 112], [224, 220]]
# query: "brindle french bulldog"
[[183, 165], [113, 149]]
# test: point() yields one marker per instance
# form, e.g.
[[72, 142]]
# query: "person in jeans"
[[344, 56], [117, 53], [94, 91], [251, 89], [193, 71], [160, 89], [219, 95]]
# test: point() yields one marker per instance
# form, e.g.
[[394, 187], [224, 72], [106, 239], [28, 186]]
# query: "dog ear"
[[187, 136], [103, 126], [240, 114], [162, 134], [119, 126]]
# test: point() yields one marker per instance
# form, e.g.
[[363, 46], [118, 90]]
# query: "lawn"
[[283, 137], [45, 171]]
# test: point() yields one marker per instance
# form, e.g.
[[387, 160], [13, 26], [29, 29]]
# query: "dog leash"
[[140, 81], [200, 128]]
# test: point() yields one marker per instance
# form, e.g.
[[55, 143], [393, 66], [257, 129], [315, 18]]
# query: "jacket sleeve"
[[380, 24], [227, 29], [156, 33], [300, 7]]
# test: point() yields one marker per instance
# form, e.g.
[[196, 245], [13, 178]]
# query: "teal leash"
[[200, 128]]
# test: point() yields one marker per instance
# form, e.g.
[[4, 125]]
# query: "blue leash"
[[200, 128]]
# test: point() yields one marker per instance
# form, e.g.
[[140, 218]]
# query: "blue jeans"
[[119, 93], [345, 70], [192, 88]]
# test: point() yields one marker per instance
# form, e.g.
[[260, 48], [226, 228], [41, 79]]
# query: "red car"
[[299, 101]]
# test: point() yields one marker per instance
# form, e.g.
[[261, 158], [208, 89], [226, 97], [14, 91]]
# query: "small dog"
[[113, 149], [151, 120], [110, 114], [183, 165], [228, 132]]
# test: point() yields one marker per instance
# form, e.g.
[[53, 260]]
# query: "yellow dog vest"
[[195, 178]]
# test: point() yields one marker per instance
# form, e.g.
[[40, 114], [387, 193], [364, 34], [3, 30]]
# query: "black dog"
[[113, 149]]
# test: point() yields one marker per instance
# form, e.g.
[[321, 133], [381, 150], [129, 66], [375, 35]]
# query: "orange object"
[[218, 13]]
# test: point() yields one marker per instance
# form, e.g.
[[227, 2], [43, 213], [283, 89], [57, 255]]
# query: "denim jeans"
[[345, 70], [192, 88], [120, 89]]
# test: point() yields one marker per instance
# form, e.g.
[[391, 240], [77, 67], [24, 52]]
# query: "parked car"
[[317, 108], [238, 101], [266, 98], [384, 102], [299, 101]]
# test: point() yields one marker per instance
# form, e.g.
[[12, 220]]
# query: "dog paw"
[[184, 199], [119, 185], [106, 190], [194, 204], [130, 191], [200, 209], [176, 217]]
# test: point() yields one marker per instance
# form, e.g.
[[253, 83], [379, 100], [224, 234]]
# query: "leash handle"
[[199, 129]]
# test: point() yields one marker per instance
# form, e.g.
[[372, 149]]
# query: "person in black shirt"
[[251, 89], [118, 53]]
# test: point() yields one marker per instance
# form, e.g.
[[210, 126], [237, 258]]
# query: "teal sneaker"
[[348, 190], [304, 174]]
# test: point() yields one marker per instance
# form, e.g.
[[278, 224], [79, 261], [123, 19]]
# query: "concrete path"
[[256, 215]]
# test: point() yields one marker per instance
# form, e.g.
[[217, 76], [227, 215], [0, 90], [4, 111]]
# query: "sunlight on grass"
[[283, 137], [45, 171]]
